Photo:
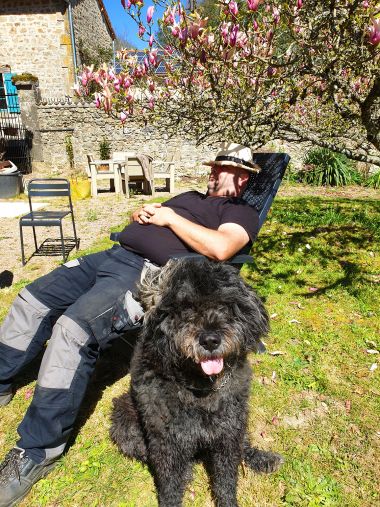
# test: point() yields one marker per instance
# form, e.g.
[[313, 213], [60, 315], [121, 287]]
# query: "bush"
[[326, 167], [291, 174], [373, 181], [104, 149]]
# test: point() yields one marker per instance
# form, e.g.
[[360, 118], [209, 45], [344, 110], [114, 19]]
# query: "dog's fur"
[[175, 413]]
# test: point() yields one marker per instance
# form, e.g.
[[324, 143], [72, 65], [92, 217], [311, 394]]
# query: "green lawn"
[[314, 397]]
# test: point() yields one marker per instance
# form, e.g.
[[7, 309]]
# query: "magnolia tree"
[[261, 70]]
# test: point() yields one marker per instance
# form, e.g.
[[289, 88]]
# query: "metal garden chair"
[[55, 187]]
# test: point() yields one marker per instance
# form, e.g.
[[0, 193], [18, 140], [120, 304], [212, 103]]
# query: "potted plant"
[[79, 183], [104, 153]]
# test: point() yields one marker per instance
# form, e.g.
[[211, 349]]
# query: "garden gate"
[[15, 139]]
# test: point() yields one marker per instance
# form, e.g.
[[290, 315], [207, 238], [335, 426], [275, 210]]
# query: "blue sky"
[[122, 24]]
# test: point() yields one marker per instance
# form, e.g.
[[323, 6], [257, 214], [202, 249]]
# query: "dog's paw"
[[264, 462]]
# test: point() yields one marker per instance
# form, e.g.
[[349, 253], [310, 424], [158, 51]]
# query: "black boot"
[[18, 474]]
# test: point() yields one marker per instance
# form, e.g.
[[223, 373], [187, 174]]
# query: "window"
[[8, 94], [3, 100]]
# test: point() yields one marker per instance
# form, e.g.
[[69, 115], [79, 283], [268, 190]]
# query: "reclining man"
[[72, 308]]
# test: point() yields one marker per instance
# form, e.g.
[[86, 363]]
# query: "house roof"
[[141, 54], [103, 10]]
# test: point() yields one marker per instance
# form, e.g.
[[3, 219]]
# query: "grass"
[[314, 397]]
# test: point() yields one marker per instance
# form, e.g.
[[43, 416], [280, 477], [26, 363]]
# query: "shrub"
[[373, 181], [104, 149], [326, 167], [291, 174]]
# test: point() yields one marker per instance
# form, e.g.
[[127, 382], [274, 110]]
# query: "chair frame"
[[166, 170], [132, 171], [47, 187], [113, 173]]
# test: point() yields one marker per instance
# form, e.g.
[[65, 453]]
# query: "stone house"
[[50, 38]]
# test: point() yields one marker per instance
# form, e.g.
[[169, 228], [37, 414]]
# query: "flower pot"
[[80, 188], [10, 185], [10, 131]]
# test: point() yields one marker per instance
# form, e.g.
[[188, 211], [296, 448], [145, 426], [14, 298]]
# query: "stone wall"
[[34, 38], [88, 126], [91, 30]]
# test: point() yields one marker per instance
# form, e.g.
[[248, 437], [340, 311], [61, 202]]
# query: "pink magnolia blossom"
[[127, 82], [233, 35], [141, 30], [374, 32], [224, 29], [276, 15], [153, 57], [168, 50], [183, 34], [253, 5], [151, 40], [241, 39], [233, 8], [299, 4], [107, 103], [169, 16], [123, 117], [365, 4], [149, 14], [151, 103], [255, 25], [151, 86], [175, 29]]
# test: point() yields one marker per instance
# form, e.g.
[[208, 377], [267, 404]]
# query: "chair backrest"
[[262, 187], [120, 155], [133, 164], [90, 158], [49, 187]]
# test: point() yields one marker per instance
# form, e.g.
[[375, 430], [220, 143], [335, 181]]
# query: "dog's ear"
[[250, 311]]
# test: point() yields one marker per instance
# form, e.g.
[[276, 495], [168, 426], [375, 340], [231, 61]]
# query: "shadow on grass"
[[332, 230]]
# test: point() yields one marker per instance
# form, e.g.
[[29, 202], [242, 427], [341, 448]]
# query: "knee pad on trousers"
[[63, 356], [23, 321]]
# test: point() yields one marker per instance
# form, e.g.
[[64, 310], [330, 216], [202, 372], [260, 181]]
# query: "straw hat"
[[235, 155]]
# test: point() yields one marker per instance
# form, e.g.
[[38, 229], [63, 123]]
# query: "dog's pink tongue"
[[212, 366]]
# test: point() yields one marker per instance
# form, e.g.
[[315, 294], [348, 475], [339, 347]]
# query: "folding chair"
[[55, 187], [262, 188]]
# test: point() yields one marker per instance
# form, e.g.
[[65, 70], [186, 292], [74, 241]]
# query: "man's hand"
[[153, 214]]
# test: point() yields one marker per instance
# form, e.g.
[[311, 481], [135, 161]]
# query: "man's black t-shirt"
[[159, 243]]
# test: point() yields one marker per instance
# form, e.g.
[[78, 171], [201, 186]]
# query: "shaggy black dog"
[[190, 380]]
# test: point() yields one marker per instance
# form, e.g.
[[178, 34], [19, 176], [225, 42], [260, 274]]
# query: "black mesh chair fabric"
[[263, 186]]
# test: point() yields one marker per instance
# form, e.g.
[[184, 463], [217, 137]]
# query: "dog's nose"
[[209, 341]]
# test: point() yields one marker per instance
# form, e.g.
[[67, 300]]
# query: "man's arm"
[[219, 244]]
